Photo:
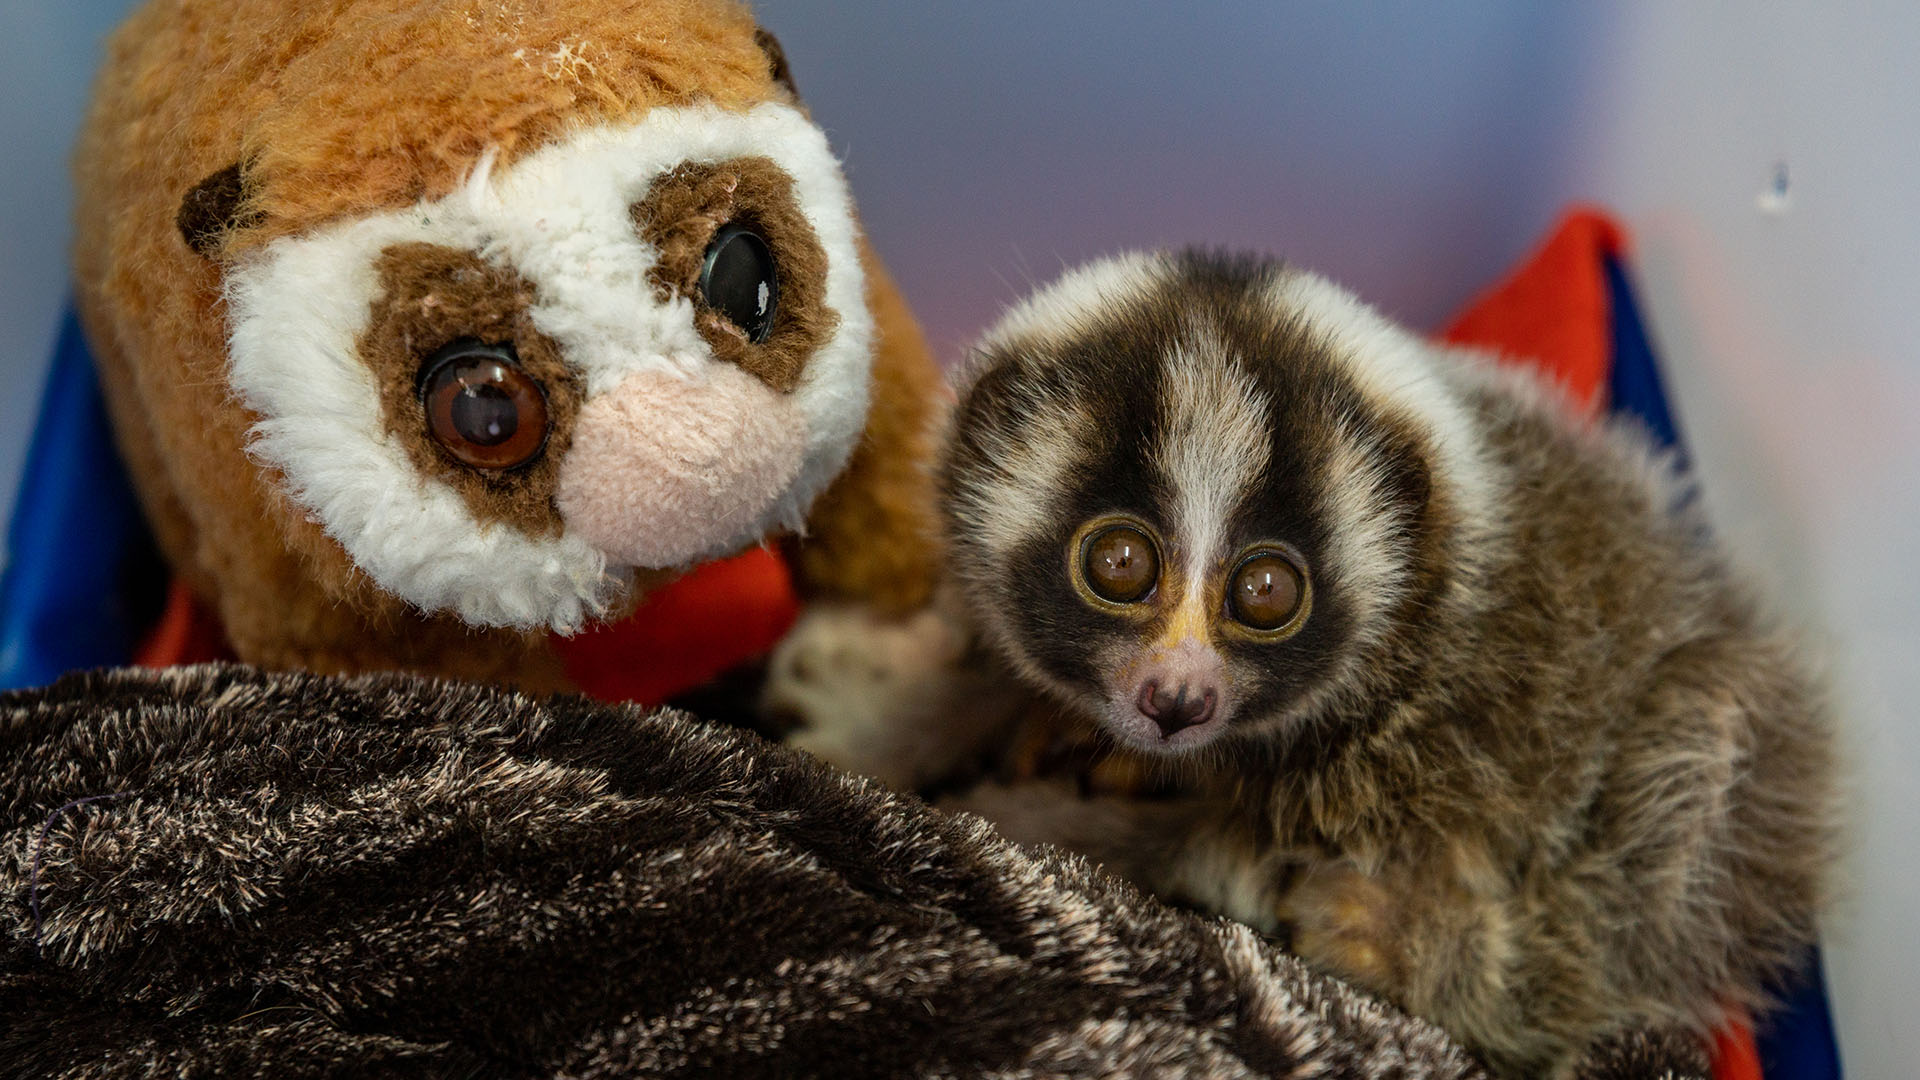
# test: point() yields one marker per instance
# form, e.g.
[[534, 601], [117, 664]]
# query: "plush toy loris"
[[434, 328]]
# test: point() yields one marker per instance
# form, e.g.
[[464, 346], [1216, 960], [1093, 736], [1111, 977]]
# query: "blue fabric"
[[1633, 386], [81, 579], [1797, 1041]]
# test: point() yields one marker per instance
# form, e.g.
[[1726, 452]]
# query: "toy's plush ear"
[[212, 208], [776, 59]]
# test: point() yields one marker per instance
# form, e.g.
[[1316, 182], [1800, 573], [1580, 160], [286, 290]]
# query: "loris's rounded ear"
[[776, 60], [213, 208]]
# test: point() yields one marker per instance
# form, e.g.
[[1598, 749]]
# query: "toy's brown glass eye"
[[739, 280], [481, 407], [1121, 564], [1266, 591]]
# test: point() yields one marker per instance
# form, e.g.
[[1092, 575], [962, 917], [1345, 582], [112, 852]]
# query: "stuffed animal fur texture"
[[305, 877], [432, 327], [1419, 669]]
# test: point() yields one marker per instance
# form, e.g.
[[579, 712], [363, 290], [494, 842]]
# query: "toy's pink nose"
[[662, 469]]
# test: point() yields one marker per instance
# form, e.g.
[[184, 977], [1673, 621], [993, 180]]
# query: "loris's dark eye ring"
[[1119, 563], [738, 279], [481, 407], [1268, 592]]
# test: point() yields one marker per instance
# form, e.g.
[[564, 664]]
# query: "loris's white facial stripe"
[[1366, 539], [561, 219], [1214, 445], [1033, 459], [1079, 300], [1401, 375], [1032, 464], [1406, 377]]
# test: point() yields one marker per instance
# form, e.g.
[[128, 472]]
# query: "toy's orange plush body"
[[404, 325]]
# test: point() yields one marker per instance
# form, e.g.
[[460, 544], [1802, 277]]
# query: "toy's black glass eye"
[[1120, 564], [740, 281], [481, 407], [1266, 591]]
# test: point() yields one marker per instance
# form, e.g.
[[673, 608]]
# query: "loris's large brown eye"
[[1120, 564], [482, 407], [1267, 591]]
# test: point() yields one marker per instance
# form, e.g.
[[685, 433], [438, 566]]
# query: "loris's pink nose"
[[1186, 705], [663, 470], [1174, 699]]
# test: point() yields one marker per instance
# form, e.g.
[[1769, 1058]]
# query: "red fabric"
[[684, 634], [1553, 308], [186, 633], [1735, 1055]]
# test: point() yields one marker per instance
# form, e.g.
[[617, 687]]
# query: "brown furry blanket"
[[216, 872]]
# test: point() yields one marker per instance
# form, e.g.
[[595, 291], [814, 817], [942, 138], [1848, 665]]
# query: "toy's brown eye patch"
[[731, 238], [1120, 564], [1266, 592], [477, 395]]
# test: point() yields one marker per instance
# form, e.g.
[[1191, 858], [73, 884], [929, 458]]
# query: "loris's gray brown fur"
[[1456, 687]]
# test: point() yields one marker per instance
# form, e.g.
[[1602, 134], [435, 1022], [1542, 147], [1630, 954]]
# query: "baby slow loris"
[[1447, 684]]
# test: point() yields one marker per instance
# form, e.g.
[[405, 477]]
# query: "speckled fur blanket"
[[217, 872]]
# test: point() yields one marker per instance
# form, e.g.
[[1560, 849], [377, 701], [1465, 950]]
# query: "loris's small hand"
[[896, 699], [1344, 922]]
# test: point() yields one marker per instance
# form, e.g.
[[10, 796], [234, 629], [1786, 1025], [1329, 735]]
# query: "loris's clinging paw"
[[1341, 920], [902, 700]]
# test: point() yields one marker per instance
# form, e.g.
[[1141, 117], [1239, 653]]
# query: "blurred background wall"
[[1766, 157]]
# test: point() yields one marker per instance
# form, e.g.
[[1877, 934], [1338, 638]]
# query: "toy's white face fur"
[[660, 445], [1187, 492]]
